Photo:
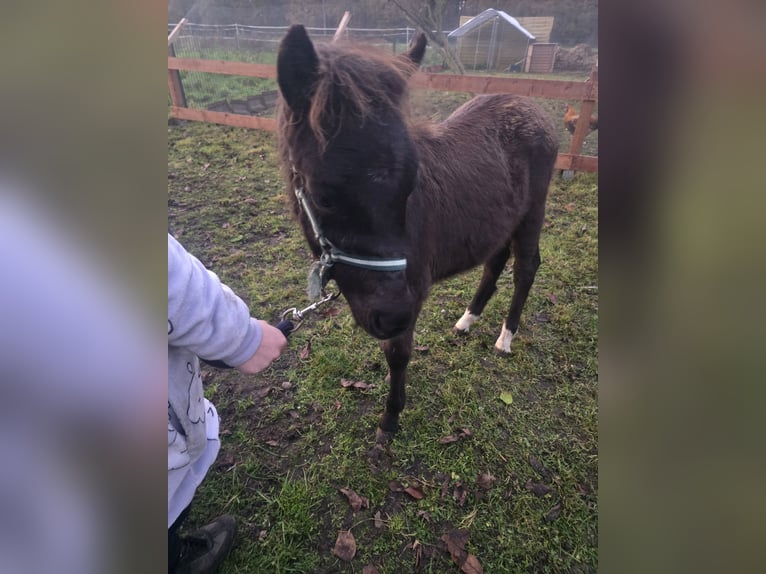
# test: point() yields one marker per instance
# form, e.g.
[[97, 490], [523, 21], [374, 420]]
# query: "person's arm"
[[208, 318]]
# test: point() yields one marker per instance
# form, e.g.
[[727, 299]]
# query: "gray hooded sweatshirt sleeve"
[[205, 319]]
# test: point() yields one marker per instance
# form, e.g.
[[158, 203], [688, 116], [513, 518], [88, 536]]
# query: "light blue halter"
[[332, 255]]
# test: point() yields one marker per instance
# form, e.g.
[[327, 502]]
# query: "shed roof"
[[540, 26], [488, 14]]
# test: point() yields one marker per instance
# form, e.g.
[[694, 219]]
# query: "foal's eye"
[[377, 175]]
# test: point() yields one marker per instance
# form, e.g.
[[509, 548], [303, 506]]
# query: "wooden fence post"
[[175, 87], [586, 110], [342, 25]]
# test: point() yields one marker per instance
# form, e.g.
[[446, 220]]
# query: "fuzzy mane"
[[352, 81]]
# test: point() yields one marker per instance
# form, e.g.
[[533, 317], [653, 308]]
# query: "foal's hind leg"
[[526, 260], [398, 351], [492, 270]]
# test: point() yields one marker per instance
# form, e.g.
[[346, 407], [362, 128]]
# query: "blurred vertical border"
[[83, 120], [681, 204]]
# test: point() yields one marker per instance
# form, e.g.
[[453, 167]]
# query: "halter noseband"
[[332, 255]]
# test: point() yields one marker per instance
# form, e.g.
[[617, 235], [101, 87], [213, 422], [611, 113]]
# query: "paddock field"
[[521, 479]]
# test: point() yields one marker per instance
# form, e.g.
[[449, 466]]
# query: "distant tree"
[[376, 14], [429, 16]]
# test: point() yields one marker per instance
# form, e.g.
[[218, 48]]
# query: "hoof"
[[383, 437], [502, 352], [503, 343], [459, 332], [464, 323]]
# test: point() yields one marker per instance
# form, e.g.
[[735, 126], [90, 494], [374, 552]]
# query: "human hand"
[[273, 342]]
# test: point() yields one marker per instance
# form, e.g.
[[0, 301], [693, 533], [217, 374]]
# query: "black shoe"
[[205, 549]]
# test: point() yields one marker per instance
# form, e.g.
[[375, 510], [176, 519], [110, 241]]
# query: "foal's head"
[[343, 130]]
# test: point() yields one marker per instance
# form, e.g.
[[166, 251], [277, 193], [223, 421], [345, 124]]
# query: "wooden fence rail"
[[586, 92]]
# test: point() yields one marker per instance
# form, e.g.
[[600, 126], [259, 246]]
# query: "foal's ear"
[[417, 49], [297, 68]]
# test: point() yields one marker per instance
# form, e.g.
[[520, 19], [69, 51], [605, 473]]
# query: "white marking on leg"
[[464, 323], [503, 343]]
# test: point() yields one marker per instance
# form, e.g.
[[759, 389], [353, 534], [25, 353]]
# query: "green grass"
[[292, 436]]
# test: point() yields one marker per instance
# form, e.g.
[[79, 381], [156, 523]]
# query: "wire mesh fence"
[[237, 41], [258, 45]]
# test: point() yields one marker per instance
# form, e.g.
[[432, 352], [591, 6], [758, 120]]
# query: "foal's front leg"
[[492, 270], [398, 351]]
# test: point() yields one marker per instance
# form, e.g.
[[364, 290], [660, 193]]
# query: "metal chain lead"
[[297, 315]]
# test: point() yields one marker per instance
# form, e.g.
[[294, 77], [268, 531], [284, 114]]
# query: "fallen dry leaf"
[[345, 546], [347, 383], [460, 493], [538, 467], [377, 520], [226, 460], [394, 486], [305, 351], [472, 565], [449, 439], [553, 513], [456, 541], [464, 432], [337, 405], [357, 502], [485, 480], [537, 489], [272, 442], [369, 569], [415, 492], [421, 348], [417, 548]]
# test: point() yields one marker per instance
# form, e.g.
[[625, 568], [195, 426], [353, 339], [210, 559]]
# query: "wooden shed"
[[492, 40], [541, 58], [539, 26]]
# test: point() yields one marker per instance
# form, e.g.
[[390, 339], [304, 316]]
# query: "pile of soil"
[[578, 59]]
